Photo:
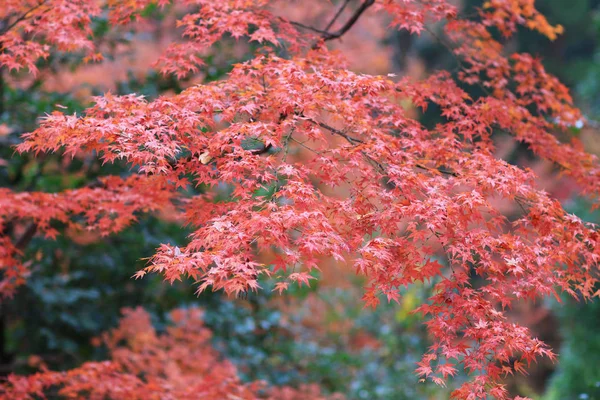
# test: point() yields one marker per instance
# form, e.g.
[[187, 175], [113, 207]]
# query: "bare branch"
[[337, 15], [310, 28], [359, 11], [325, 34]]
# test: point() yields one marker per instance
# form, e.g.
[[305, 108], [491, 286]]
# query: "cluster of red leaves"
[[413, 15], [177, 364], [108, 207], [214, 19], [412, 192], [31, 29]]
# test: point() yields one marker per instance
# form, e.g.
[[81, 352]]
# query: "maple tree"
[[374, 189]]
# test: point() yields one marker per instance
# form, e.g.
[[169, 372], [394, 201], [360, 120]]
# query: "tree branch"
[[29, 233], [325, 34], [350, 139], [22, 17], [337, 15], [310, 28], [359, 11]]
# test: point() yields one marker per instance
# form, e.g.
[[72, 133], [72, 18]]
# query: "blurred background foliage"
[[320, 334]]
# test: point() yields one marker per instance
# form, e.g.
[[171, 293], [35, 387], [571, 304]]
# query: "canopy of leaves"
[[324, 163]]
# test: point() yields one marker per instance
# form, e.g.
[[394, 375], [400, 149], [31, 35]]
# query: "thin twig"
[[21, 18], [337, 15], [359, 11], [286, 145], [442, 171], [305, 146], [350, 139], [310, 28]]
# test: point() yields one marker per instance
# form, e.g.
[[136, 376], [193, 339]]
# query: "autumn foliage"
[[178, 364], [322, 163]]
